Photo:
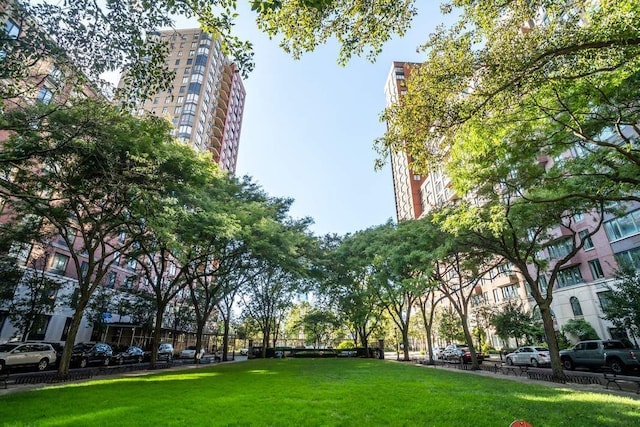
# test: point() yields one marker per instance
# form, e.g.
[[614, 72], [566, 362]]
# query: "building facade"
[[206, 101]]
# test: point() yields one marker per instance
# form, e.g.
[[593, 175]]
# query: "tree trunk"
[[63, 364], [552, 341], [472, 350], [155, 342]]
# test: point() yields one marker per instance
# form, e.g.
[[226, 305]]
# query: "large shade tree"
[[540, 76], [84, 189]]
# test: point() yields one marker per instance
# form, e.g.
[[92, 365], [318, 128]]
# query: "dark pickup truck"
[[598, 353]]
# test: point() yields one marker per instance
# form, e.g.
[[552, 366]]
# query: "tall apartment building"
[[406, 183], [206, 102], [581, 286]]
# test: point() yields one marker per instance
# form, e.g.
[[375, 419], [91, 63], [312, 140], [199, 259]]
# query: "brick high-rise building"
[[206, 102]]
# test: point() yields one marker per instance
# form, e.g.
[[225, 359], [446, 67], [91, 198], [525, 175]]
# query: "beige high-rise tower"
[[206, 102]]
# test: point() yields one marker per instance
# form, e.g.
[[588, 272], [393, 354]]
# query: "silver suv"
[[165, 352], [39, 355]]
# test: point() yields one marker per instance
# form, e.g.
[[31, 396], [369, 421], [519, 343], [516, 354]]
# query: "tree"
[[302, 25], [319, 326], [428, 303], [538, 239], [35, 296], [537, 76], [450, 325], [580, 328], [511, 321], [267, 300], [84, 189], [345, 284], [622, 305]]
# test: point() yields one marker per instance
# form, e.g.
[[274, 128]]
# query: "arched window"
[[575, 306]]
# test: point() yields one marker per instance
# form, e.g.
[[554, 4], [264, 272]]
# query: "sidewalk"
[[628, 390]]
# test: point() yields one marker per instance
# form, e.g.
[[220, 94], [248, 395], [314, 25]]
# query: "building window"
[[39, 328], [156, 100], [575, 306], [55, 75], [168, 99], [83, 269], [189, 61], [111, 279], [128, 282], [185, 80], [59, 263], [180, 99], [603, 297], [179, 53], [12, 29], [496, 295], [177, 62], [569, 277], [509, 292], [132, 264], [621, 228], [187, 70], [561, 248], [192, 52], [116, 258], [183, 88], [588, 243], [629, 259], [177, 110], [44, 95], [596, 269]]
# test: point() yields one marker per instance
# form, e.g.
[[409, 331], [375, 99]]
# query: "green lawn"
[[313, 392]]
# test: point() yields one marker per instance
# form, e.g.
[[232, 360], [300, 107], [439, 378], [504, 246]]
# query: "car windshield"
[[4, 348], [541, 349]]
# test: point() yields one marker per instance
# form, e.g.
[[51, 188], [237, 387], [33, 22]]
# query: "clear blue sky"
[[309, 126]]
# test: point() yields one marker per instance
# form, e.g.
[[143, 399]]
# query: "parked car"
[[85, 354], [131, 354], [534, 356], [595, 354], [165, 352], [244, 351], [39, 355], [190, 352], [59, 348], [460, 352]]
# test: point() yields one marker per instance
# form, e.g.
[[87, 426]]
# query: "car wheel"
[[534, 362], [616, 366], [568, 364], [509, 361], [83, 363], [43, 364]]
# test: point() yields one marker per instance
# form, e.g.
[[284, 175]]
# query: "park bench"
[[621, 379], [517, 370]]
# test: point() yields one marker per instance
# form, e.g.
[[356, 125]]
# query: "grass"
[[313, 392]]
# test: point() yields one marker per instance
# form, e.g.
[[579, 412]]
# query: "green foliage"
[[581, 329], [345, 345], [538, 79], [359, 27], [511, 321], [449, 326], [622, 305]]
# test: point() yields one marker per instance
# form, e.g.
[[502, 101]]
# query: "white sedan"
[[534, 356], [190, 353]]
